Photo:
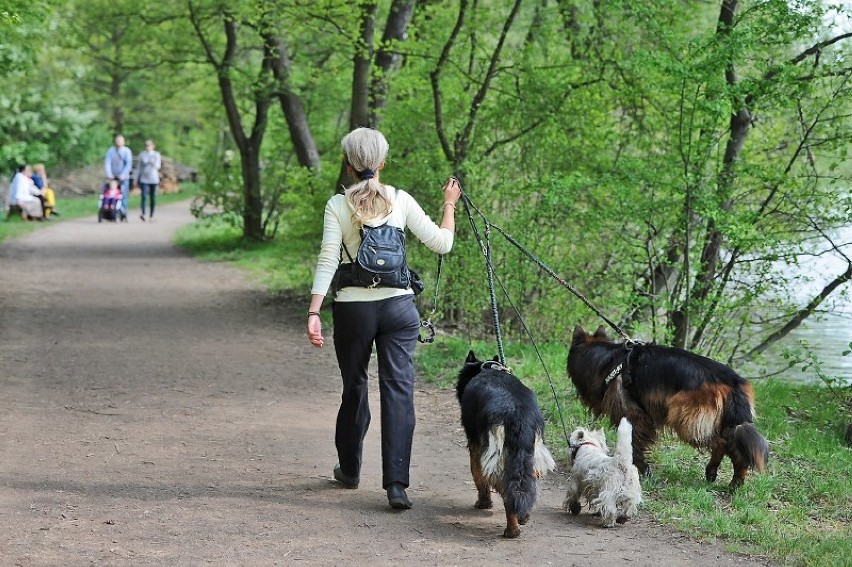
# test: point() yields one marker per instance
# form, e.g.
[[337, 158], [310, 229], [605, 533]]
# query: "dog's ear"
[[496, 358], [579, 334], [471, 358], [600, 333]]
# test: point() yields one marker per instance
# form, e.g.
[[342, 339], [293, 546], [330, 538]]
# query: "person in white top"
[[150, 163], [363, 316], [24, 194]]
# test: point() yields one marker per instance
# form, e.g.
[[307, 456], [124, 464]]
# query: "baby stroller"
[[109, 204]]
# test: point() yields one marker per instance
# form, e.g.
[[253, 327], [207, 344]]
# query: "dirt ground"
[[156, 410]]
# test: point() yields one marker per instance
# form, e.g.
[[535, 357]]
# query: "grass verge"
[[797, 513]]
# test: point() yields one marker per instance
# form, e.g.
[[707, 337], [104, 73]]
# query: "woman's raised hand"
[[452, 191]]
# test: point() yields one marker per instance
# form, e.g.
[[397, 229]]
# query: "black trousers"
[[393, 325], [148, 190]]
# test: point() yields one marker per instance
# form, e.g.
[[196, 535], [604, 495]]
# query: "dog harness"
[[494, 365], [577, 448], [613, 373]]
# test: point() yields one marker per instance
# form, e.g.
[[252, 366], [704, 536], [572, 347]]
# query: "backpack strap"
[[343, 248]]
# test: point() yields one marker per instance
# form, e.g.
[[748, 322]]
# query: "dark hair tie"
[[366, 174]]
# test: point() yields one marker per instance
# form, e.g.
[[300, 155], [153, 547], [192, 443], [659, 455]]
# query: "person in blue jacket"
[[117, 165]]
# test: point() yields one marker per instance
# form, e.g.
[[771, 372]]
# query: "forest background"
[[676, 162], [669, 159]]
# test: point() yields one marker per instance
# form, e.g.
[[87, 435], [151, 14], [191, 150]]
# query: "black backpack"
[[380, 262]]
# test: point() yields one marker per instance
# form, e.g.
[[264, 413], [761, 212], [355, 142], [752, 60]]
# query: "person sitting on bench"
[[48, 196], [23, 195]]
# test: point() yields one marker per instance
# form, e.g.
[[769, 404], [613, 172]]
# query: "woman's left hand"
[[315, 331]]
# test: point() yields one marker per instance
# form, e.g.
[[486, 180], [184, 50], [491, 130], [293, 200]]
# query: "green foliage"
[[806, 359], [602, 138], [43, 116], [288, 192]]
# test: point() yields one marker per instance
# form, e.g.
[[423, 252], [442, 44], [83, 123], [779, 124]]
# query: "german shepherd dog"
[[504, 428], [705, 402]]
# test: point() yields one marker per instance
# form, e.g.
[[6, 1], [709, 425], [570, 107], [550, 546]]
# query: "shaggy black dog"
[[705, 402], [504, 428]]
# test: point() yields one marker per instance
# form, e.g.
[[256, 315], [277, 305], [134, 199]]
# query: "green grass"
[[281, 264], [798, 512], [82, 206]]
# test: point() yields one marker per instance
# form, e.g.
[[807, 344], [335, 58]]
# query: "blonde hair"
[[365, 150]]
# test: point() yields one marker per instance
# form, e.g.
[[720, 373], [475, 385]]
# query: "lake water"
[[830, 334]]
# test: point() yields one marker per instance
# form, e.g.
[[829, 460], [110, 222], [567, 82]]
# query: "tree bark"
[[387, 58], [291, 104], [359, 111], [371, 69], [359, 114]]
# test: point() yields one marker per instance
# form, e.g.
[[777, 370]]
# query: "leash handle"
[[430, 328], [427, 322]]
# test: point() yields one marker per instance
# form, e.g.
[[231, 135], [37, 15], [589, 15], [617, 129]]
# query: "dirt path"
[[156, 410]]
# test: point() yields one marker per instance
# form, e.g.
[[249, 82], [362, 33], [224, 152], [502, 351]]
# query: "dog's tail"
[[624, 446], [747, 446], [527, 460]]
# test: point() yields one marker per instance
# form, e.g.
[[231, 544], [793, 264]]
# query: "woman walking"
[[149, 175], [384, 316]]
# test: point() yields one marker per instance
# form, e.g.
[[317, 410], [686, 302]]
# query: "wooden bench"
[[13, 210]]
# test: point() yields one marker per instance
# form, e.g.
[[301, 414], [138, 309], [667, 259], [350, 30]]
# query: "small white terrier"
[[610, 485]]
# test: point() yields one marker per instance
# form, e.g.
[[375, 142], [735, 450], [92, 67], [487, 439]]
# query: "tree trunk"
[[291, 105], [740, 124], [369, 90], [115, 84], [248, 146], [457, 153], [359, 114], [253, 210], [115, 103], [387, 58]]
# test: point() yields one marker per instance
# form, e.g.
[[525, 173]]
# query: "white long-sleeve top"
[[22, 189], [339, 229]]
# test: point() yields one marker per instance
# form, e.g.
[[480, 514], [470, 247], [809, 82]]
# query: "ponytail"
[[369, 200]]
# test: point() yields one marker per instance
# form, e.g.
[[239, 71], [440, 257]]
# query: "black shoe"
[[346, 481], [55, 213], [142, 217], [397, 498]]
